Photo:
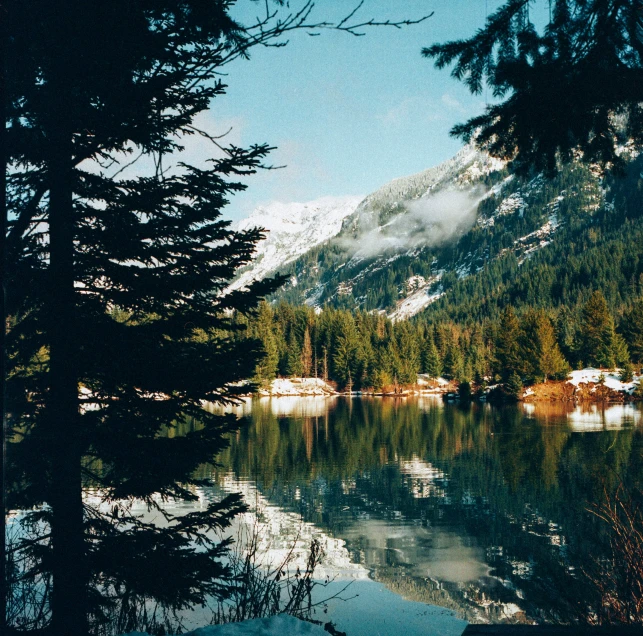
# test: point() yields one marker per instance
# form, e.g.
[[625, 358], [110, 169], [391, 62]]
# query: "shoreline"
[[593, 386]]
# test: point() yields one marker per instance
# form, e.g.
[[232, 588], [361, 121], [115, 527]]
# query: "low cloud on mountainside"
[[432, 220]]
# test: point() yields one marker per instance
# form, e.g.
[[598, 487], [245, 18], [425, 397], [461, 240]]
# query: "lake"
[[437, 513]]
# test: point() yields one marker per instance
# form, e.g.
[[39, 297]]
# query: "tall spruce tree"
[[597, 336], [575, 85], [88, 82], [632, 329], [113, 282], [306, 355], [508, 346], [551, 362], [432, 362], [264, 330]]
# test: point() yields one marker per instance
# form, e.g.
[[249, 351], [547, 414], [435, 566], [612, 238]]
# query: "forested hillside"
[[547, 276], [534, 242]]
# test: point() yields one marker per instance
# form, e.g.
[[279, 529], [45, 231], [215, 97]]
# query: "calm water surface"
[[477, 510]]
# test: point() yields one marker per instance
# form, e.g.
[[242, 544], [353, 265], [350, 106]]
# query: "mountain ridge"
[[466, 229]]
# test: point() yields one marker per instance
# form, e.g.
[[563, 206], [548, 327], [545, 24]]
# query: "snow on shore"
[[299, 386], [612, 379], [271, 626]]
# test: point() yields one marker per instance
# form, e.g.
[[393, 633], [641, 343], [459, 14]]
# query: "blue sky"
[[347, 114]]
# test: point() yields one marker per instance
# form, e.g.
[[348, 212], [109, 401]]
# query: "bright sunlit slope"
[[465, 238]]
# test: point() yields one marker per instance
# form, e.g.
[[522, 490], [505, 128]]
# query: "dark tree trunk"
[[69, 596], [3, 326]]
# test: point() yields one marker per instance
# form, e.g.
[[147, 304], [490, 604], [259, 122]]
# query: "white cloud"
[[431, 220], [452, 103]]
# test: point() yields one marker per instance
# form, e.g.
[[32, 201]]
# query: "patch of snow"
[[416, 301], [344, 289], [425, 379], [612, 379], [300, 386], [509, 205], [510, 609], [270, 626], [313, 296], [542, 232], [415, 282], [414, 304]]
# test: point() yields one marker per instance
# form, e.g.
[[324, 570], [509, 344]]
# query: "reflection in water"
[[587, 417], [283, 536], [478, 509]]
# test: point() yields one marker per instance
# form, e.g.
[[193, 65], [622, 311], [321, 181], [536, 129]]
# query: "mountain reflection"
[[482, 510]]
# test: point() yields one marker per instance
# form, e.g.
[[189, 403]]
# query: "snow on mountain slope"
[[293, 229], [463, 169], [410, 242]]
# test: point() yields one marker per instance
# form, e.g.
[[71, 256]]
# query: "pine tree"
[[529, 347], [632, 330], [346, 350], [293, 356], [409, 354], [432, 363], [453, 362], [551, 362], [627, 374], [507, 345], [89, 86], [562, 86], [597, 336], [266, 369], [513, 386], [306, 355]]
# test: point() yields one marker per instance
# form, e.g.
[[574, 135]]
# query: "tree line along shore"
[[526, 354]]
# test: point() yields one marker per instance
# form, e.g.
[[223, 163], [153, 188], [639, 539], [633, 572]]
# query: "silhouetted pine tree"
[[119, 328], [564, 86]]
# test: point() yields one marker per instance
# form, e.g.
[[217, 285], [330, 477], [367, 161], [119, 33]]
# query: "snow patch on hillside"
[[538, 239], [414, 304], [293, 229], [417, 300]]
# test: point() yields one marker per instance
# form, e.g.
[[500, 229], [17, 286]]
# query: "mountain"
[[292, 230], [465, 238]]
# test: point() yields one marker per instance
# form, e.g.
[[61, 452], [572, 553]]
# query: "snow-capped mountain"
[[402, 218], [293, 229], [447, 238], [464, 169]]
